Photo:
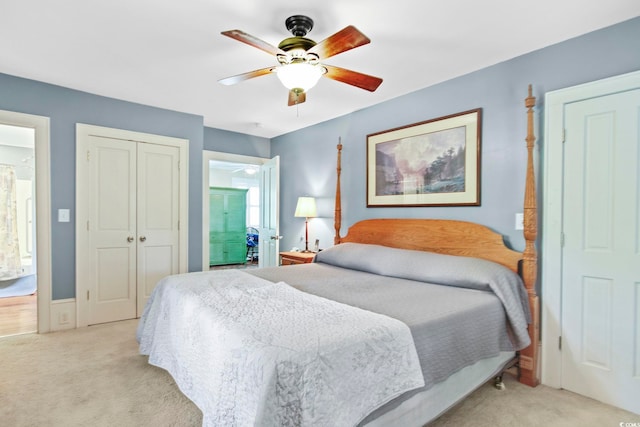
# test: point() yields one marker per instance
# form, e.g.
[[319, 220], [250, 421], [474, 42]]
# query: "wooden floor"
[[18, 315], [246, 266]]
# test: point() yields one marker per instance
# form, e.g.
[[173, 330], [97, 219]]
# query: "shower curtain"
[[10, 264]]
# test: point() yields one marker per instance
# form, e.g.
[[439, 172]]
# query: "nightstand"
[[291, 258]]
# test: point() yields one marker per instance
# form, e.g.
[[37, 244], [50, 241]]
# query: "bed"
[[394, 324]]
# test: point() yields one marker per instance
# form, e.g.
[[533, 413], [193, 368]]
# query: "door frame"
[[208, 155], [43, 208], [552, 210], [83, 132]]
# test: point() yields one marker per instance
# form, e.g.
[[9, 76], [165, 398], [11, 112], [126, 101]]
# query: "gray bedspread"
[[459, 310]]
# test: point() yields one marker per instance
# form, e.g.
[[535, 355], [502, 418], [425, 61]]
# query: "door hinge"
[[87, 225], [560, 343], [87, 295], [562, 240], [88, 155], [564, 135]]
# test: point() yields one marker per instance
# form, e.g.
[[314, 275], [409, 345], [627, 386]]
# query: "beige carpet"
[[95, 377]]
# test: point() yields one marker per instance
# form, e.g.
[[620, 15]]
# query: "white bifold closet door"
[[133, 224]]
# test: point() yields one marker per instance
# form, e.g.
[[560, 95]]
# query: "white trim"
[[63, 314], [43, 208], [83, 131], [551, 360], [224, 157]]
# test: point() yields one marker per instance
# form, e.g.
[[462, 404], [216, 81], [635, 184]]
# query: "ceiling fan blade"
[[353, 78], [243, 37], [246, 76], [345, 39], [296, 97]]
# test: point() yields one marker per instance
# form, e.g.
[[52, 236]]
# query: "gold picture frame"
[[431, 163]]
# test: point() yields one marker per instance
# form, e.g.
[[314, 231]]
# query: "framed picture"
[[432, 163]]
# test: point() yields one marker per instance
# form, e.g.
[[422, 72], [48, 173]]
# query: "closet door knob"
[[142, 238], [130, 239]]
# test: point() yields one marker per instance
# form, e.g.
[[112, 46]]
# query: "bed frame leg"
[[497, 382]]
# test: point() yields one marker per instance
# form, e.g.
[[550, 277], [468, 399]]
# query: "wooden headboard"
[[465, 239], [436, 235]]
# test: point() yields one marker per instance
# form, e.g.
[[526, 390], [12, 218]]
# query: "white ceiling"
[[170, 54]]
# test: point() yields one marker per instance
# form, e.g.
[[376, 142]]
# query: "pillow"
[[421, 266]]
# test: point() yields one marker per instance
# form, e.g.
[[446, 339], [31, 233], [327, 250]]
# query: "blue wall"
[[65, 108], [310, 154], [236, 143]]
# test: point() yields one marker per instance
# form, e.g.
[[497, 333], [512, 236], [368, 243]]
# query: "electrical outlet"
[[302, 238], [63, 318]]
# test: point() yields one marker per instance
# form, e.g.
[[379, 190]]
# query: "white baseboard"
[[63, 314]]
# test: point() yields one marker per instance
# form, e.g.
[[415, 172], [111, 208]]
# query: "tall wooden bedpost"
[[529, 356], [338, 210]]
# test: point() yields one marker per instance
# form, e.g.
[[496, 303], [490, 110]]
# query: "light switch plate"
[[519, 221], [63, 215]]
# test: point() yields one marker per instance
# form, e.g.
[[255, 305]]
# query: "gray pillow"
[[421, 266]]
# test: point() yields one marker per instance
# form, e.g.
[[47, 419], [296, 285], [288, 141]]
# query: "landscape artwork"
[[429, 163], [432, 163]]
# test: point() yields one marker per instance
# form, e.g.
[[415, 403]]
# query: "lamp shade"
[[299, 75], [306, 207]]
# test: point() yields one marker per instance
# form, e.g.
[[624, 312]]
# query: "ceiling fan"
[[299, 58]]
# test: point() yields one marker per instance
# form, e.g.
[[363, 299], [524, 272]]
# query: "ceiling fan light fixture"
[[300, 59], [300, 75]]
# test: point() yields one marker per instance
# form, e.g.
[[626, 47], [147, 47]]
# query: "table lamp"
[[306, 208]]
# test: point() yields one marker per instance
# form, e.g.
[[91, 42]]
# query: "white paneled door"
[[601, 253], [157, 217], [269, 248], [111, 228], [130, 193]]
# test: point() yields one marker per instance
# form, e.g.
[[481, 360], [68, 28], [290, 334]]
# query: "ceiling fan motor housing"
[[299, 25], [300, 43]]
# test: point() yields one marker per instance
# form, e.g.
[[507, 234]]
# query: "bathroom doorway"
[[18, 272]]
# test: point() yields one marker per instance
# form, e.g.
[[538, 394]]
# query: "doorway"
[[18, 284], [234, 214], [224, 170], [590, 272], [24, 141]]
